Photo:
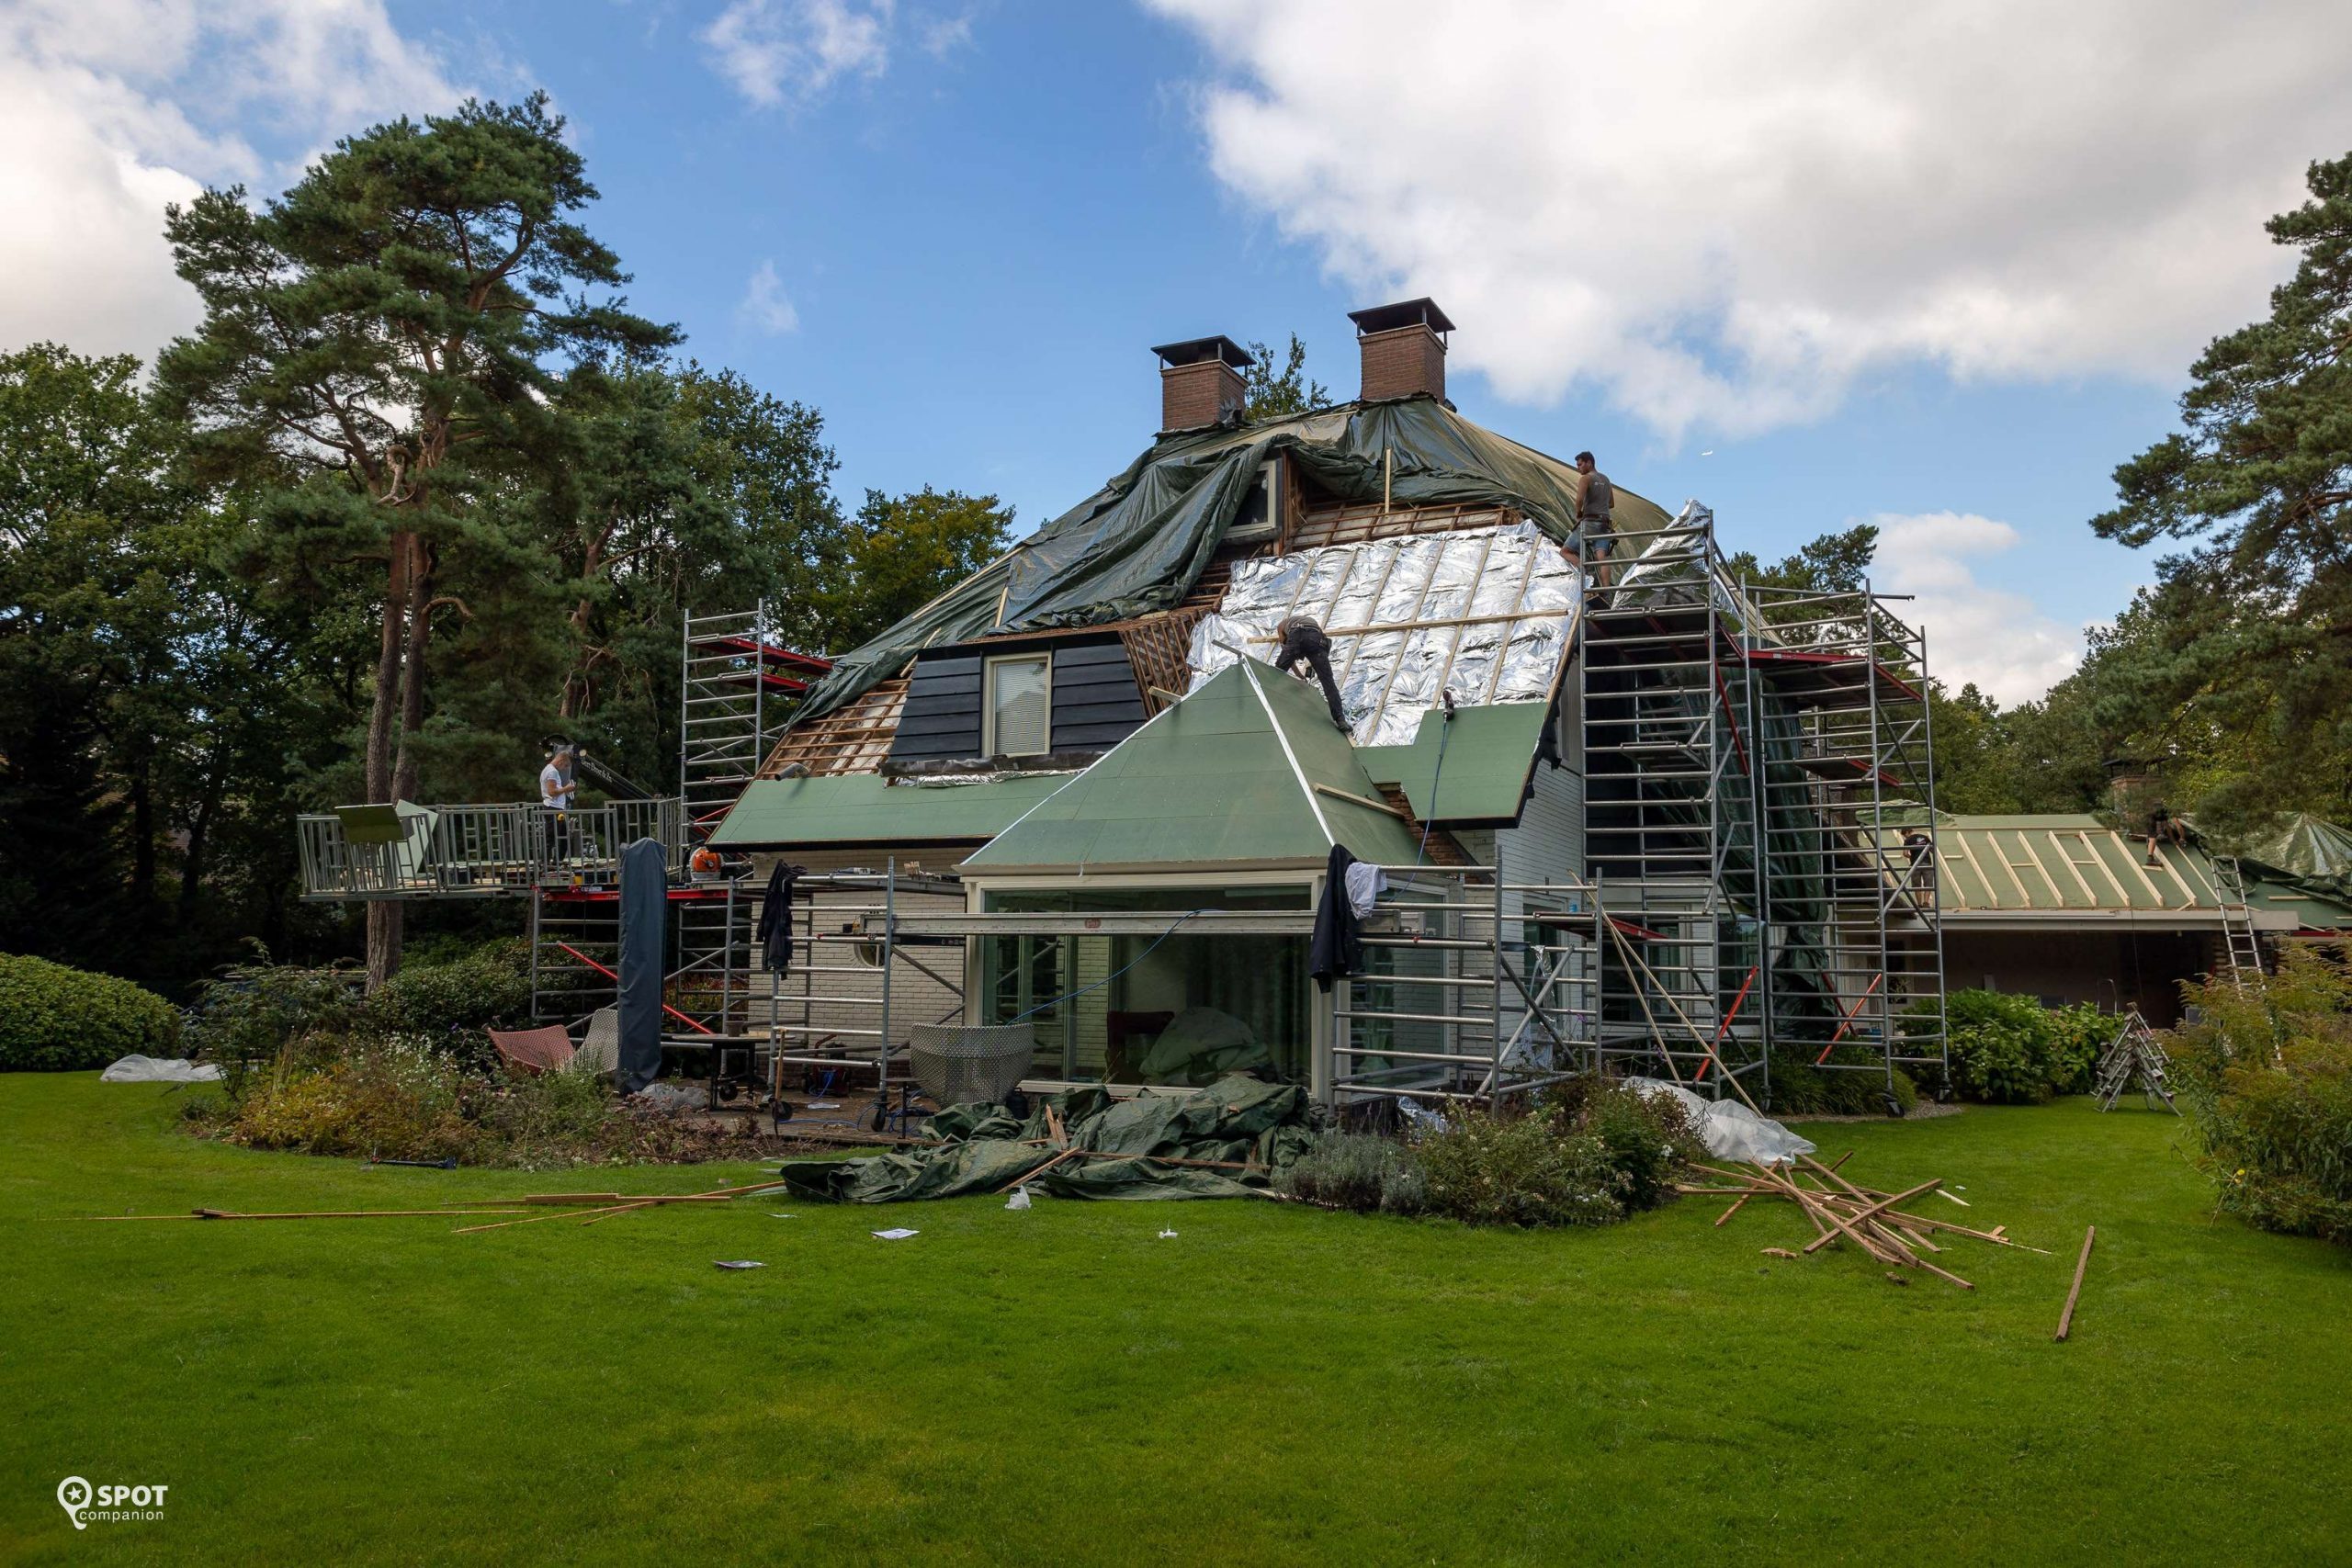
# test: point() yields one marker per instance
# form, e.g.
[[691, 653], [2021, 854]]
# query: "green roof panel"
[[853, 809], [1488, 755], [1226, 777]]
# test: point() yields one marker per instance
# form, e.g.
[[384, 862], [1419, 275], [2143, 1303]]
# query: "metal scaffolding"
[[1473, 988], [841, 1005], [1761, 818], [1849, 823], [1666, 767]]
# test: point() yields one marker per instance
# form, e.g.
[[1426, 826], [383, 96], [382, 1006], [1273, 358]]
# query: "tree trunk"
[[384, 713]]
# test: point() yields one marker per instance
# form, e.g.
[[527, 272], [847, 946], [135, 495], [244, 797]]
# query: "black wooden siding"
[[1095, 703], [941, 717]]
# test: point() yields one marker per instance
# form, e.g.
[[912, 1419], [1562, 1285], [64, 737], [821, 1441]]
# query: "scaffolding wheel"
[[881, 1119], [780, 1109], [1894, 1106]]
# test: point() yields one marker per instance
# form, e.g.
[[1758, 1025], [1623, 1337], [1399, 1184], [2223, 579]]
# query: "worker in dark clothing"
[[1303, 639], [1595, 508]]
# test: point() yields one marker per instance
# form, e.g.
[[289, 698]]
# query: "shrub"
[[397, 1097], [1801, 1089], [2011, 1050], [2079, 1036], [263, 1013], [56, 1019], [1513, 1167], [451, 1004], [1646, 1139], [2266, 1076], [1362, 1171]]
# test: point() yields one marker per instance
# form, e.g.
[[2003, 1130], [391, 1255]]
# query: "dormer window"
[[1019, 706], [1259, 516]]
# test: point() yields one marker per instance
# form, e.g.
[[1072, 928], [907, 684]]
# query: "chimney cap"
[[1192, 351], [1423, 313]]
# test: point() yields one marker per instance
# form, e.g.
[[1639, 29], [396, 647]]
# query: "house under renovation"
[[1626, 810]]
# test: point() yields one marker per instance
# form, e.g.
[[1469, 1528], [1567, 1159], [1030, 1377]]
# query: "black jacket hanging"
[[774, 928], [1337, 948]]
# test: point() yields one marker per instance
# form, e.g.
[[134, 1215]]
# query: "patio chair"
[[533, 1051]]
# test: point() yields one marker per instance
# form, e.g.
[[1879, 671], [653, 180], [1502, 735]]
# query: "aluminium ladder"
[[2133, 1056], [2242, 946]]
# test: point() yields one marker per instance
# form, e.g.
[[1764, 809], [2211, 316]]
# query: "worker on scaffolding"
[[1596, 504], [556, 790]]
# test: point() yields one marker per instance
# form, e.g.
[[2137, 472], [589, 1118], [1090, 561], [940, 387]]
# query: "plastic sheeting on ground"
[[160, 1069], [1731, 1130], [986, 1149]]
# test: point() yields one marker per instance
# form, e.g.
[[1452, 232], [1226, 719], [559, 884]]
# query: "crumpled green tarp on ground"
[[1140, 542], [987, 1149]]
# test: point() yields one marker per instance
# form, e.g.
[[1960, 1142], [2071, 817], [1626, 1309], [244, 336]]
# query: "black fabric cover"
[[1337, 948], [645, 909], [774, 928]]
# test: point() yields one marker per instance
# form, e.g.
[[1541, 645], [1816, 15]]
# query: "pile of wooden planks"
[[1843, 1213], [585, 1207]]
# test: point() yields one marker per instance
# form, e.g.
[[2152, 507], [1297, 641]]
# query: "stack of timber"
[[1883, 1226]]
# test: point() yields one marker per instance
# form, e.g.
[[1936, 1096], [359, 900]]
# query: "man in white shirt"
[[555, 794], [555, 780]]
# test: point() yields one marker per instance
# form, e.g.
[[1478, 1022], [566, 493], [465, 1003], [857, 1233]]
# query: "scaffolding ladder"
[[2241, 945], [728, 663], [575, 953]]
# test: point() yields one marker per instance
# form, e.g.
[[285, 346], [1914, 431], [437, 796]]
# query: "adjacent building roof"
[[1247, 770], [2034, 872]]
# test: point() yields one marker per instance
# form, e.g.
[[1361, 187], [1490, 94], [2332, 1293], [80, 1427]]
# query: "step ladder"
[[2133, 1056], [2243, 947]]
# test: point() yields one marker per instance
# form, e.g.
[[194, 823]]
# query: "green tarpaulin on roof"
[[1225, 777], [2308, 852], [1489, 754], [1140, 542], [865, 808]]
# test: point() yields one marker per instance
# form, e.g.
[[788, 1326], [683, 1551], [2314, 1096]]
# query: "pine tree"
[[382, 350]]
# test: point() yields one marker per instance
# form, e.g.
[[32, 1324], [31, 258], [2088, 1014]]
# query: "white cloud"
[[764, 306], [111, 108], [2000, 640], [1720, 216], [786, 52], [943, 35]]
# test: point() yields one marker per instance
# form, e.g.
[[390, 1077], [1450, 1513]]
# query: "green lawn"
[[1274, 1384]]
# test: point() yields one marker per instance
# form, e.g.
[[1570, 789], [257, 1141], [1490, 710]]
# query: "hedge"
[[56, 1019]]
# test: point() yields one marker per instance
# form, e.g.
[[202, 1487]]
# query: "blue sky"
[[955, 229]]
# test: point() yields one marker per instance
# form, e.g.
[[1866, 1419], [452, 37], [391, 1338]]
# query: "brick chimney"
[[1404, 349], [1200, 382]]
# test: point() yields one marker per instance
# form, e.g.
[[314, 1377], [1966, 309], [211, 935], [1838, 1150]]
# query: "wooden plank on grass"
[[2066, 1316]]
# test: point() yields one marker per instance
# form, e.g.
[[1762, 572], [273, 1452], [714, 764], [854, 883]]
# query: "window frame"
[[989, 747]]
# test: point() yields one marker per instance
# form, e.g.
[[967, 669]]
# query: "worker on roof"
[[1595, 505]]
